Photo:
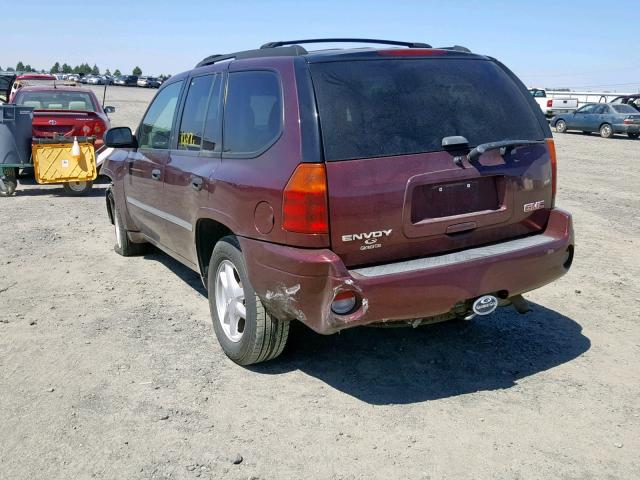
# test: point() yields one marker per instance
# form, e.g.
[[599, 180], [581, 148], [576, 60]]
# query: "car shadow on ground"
[[617, 136], [187, 275], [405, 365], [55, 190], [383, 366]]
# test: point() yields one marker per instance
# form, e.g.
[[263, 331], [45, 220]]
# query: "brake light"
[[554, 169], [628, 121], [412, 52], [304, 202], [549, 103]]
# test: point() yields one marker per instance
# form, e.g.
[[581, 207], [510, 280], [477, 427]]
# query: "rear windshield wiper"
[[505, 147]]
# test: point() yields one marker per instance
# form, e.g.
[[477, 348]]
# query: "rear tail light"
[[549, 103], [344, 303], [304, 202], [628, 121], [554, 169]]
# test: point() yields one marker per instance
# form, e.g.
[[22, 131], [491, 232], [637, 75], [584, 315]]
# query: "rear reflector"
[[343, 303], [304, 202], [554, 169]]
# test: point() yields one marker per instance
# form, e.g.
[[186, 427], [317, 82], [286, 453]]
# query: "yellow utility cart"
[[70, 161]]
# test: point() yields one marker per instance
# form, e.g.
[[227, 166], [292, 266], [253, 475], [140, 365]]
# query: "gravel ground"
[[109, 368]]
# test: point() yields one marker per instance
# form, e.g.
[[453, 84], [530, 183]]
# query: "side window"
[[155, 131], [587, 109], [212, 141], [195, 109], [253, 114], [602, 109]]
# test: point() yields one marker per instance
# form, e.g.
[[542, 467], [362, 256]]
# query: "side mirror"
[[120, 137], [109, 109]]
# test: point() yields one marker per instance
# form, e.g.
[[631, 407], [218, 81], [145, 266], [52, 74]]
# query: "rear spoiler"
[[63, 113]]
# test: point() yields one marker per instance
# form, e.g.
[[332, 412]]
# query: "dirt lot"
[[109, 368]]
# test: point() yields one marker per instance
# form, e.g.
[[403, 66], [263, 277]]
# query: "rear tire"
[[123, 245], [77, 189], [561, 126], [633, 135], [10, 182], [246, 332], [606, 131]]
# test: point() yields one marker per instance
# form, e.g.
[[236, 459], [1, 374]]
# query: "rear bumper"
[[551, 112], [301, 283], [622, 128]]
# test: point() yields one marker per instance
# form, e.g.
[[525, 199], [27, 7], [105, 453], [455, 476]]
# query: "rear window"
[[57, 100], [398, 107], [624, 109]]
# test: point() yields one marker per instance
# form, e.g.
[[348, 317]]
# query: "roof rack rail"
[[293, 50], [346, 40]]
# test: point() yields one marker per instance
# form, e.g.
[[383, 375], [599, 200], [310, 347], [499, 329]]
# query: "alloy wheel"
[[230, 301]]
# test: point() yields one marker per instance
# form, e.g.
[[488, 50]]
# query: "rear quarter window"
[[396, 107], [253, 112]]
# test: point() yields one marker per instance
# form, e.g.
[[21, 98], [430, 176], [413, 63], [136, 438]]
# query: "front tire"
[[561, 126], [246, 332], [10, 182], [123, 245], [606, 131], [77, 189]]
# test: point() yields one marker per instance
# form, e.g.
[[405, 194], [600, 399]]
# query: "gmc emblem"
[[530, 207]]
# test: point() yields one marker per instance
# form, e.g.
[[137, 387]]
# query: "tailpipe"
[[520, 304]]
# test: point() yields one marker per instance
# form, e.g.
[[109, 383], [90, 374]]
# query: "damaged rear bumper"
[[298, 283]]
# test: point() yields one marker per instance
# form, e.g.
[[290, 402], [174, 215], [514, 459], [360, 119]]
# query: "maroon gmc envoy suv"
[[343, 187]]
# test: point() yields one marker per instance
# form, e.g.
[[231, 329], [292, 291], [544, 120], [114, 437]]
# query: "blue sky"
[[582, 44]]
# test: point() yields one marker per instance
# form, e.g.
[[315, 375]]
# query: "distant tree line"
[[83, 68]]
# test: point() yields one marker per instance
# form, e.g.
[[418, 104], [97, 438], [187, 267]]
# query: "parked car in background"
[[31, 79], [553, 106], [99, 80], [95, 80], [6, 81], [605, 118], [388, 213], [67, 112], [632, 100], [126, 81], [148, 82]]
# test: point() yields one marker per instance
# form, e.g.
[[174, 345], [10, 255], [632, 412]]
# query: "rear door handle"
[[155, 174], [196, 183]]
